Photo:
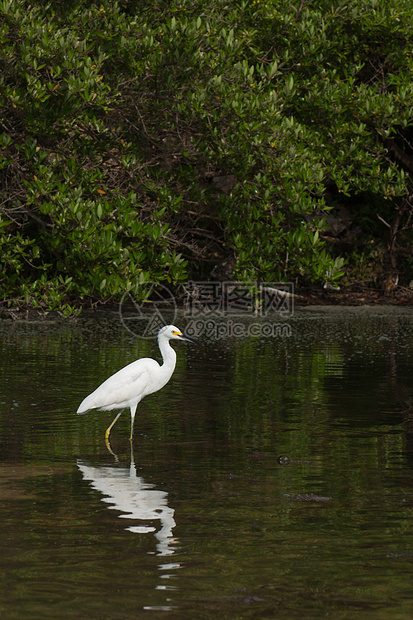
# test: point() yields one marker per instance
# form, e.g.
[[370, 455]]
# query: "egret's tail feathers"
[[86, 405]]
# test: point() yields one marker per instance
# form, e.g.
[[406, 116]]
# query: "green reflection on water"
[[243, 541]]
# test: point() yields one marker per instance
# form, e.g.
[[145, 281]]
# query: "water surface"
[[201, 518]]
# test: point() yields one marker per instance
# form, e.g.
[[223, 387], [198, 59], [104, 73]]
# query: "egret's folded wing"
[[127, 384]]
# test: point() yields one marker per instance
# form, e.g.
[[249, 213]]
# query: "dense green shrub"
[[115, 116]]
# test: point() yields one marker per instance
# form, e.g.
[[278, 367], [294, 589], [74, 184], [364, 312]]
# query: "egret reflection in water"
[[135, 499]]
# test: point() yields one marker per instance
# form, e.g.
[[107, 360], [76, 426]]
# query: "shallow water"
[[202, 519]]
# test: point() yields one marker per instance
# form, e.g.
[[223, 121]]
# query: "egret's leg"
[[109, 447], [131, 430], [107, 434], [132, 413]]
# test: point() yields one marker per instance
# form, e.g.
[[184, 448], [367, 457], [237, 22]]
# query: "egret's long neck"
[[168, 355]]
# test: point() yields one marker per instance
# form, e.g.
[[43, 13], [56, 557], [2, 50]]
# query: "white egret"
[[128, 386]]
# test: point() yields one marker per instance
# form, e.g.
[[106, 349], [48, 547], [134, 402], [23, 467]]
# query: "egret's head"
[[173, 333]]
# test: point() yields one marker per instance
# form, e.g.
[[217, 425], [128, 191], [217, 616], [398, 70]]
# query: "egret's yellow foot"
[[109, 447], [107, 434]]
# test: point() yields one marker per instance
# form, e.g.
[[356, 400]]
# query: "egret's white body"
[[128, 386]]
